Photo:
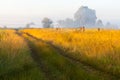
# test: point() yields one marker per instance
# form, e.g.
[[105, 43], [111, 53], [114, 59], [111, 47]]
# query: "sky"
[[14, 12]]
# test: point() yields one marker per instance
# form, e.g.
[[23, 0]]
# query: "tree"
[[47, 22], [5, 27], [99, 23], [29, 24], [108, 24], [66, 23], [61, 23], [85, 16]]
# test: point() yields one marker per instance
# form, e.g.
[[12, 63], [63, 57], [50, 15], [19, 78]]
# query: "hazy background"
[[17, 13]]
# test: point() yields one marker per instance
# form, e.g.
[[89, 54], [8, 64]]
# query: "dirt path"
[[35, 57], [86, 67]]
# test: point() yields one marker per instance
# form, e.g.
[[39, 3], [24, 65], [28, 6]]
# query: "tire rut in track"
[[36, 58], [86, 66]]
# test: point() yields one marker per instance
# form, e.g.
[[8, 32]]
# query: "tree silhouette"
[[47, 22]]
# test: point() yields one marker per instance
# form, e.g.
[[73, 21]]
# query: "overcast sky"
[[23, 11]]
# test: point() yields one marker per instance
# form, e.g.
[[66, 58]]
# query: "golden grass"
[[99, 49], [16, 62], [59, 67]]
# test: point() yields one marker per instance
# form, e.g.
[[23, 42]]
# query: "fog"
[[84, 16], [64, 10], [20, 21], [87, 17]]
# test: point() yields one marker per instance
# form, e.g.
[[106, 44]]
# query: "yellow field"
[[16, 62], [59, 54], [98, 49]]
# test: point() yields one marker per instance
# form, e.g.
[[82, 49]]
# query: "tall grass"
[[98, 49], [16, 62], [58, 67]]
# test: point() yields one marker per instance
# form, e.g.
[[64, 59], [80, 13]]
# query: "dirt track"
[[85, 66]]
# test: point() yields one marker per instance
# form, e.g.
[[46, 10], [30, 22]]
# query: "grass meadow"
[[99, 49], [58, 67], [59, 54], [16, 62]]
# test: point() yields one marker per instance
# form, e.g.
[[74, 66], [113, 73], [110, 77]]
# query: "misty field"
[[59, 54], [101, 49]]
